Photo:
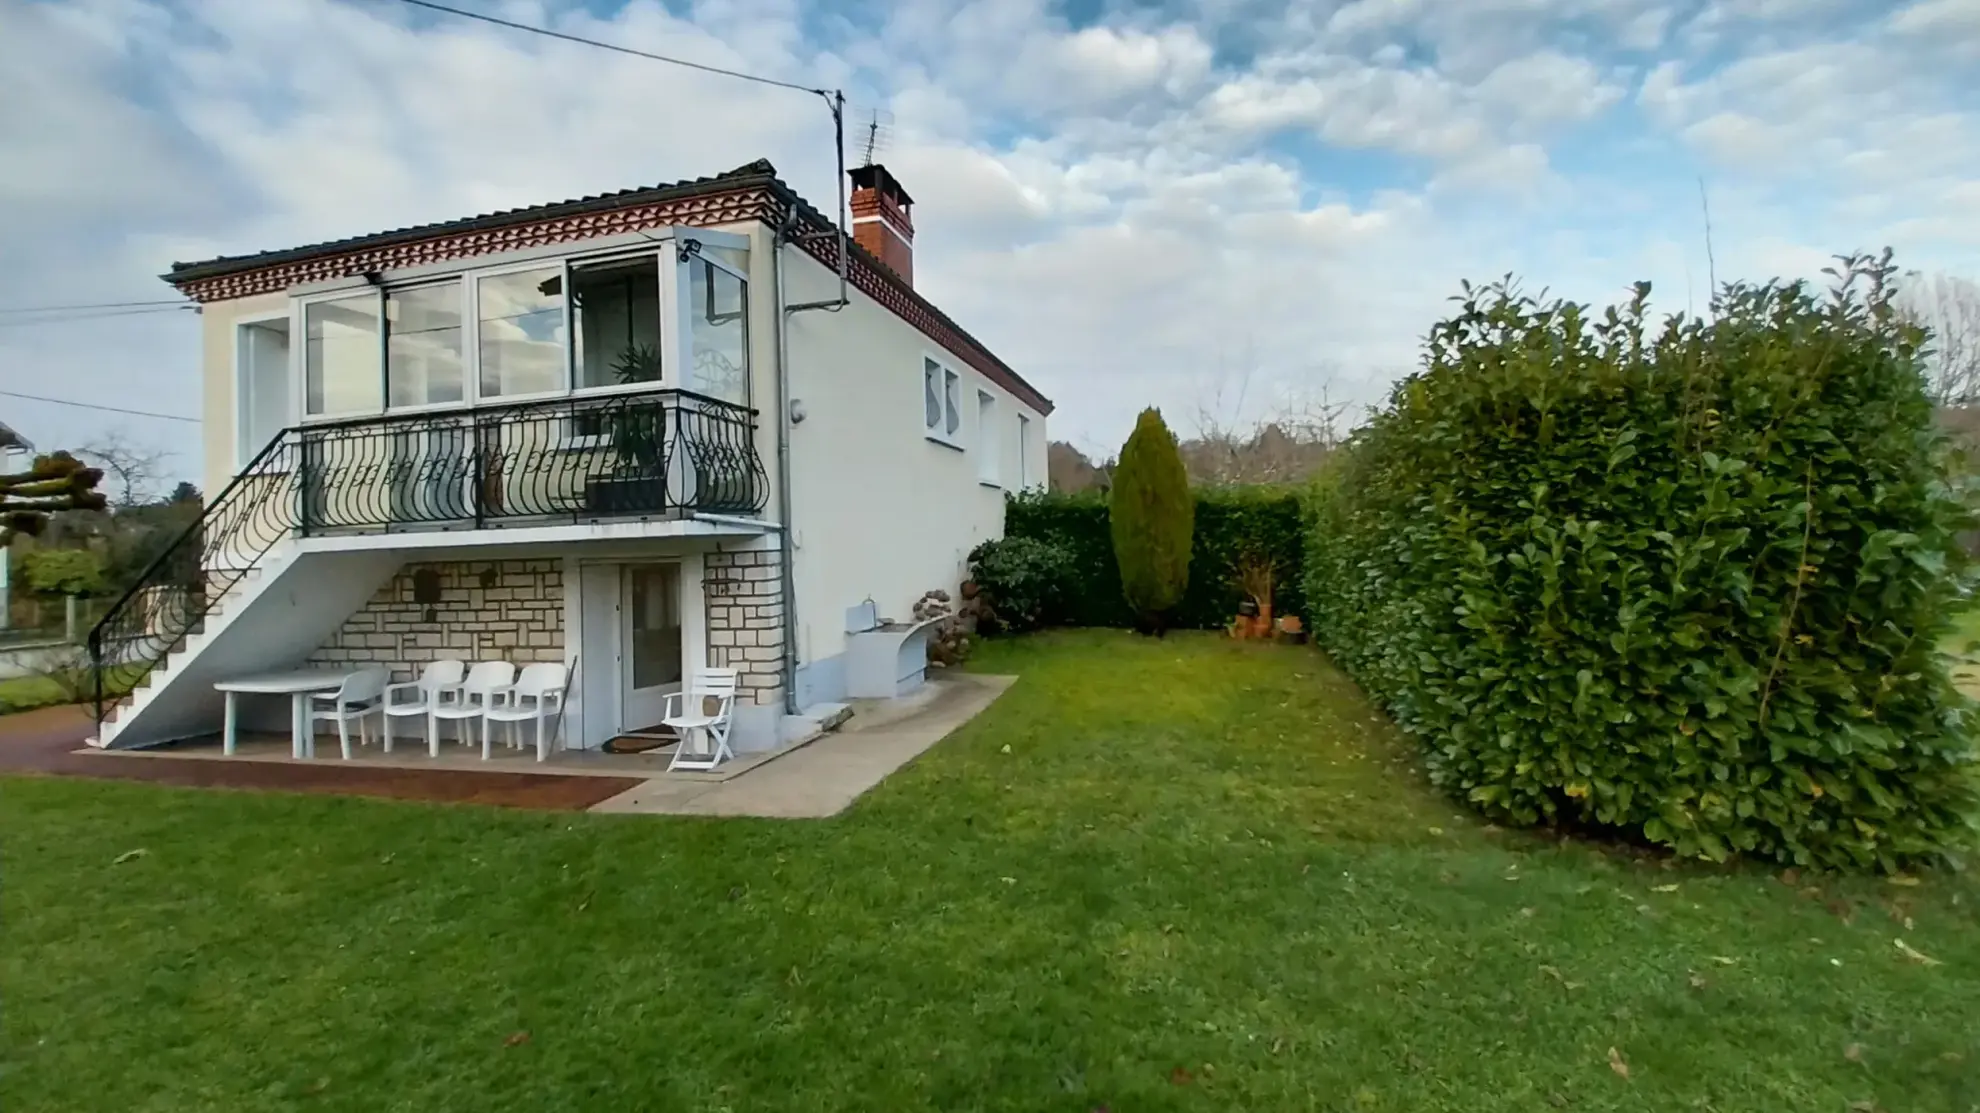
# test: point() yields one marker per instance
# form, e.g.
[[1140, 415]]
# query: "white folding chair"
[[420, 697], [467, 701], [536, 693], [361, 694], [690, 714]]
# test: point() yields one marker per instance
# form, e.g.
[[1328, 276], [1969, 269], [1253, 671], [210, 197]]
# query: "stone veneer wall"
[[746, 619], [500, 610]]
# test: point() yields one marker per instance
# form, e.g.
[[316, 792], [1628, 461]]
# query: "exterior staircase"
[[270, 617]]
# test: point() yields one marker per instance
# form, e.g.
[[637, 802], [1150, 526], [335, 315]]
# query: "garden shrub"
[[1684, 583], [1153, 518], [1230, 522], [1023, 579]]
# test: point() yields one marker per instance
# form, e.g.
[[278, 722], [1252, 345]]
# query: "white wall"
[[880, 510]]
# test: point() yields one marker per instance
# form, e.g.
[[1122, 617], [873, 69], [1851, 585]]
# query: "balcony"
[[649, 455]]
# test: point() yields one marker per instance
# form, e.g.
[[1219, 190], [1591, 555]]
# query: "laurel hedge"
[[1680, 582], [1230, 523]]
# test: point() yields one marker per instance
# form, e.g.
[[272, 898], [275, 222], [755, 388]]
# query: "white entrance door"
[[651, 636], [599, 592]]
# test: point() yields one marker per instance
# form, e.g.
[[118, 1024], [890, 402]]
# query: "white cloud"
[[1119, 210]]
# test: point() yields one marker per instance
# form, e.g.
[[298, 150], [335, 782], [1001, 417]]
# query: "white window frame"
[[677, 341], [385, 345], [244, 453], [684, 305], [988, 460], [939, 432], [299, 353]]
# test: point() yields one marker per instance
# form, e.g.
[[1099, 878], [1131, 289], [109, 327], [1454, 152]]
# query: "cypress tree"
[[1153, 518]]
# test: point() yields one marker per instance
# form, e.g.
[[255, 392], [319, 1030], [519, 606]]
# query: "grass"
[[26, 693], [1175, 875]]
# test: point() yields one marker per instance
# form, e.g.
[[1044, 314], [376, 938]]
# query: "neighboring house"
[[637, 433]]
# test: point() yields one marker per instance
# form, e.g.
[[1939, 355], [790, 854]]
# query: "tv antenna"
[[877, 131]]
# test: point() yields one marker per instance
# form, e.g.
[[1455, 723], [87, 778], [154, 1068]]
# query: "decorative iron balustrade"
[[652, 454]]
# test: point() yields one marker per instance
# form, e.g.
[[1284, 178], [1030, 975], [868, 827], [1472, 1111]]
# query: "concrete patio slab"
[[824, 778]]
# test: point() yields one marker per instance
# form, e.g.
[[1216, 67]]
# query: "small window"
[[941, 402], [986, 439]]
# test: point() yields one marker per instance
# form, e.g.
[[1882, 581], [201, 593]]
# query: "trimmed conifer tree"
[[1153, 518]]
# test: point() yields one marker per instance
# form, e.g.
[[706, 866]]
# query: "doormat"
[[637, 743]]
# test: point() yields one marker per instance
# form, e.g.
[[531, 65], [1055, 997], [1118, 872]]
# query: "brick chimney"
[[882, 218]]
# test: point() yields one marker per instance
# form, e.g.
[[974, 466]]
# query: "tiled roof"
[[758, 173], [240, 275]]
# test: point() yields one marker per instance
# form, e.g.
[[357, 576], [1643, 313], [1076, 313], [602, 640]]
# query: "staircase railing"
[[648, 454], [175, 591]]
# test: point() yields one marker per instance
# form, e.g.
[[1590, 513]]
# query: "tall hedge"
[[1681, 582], [1229, 523], [1153, 519]]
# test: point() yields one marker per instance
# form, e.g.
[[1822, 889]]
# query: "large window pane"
[[615, 308], [720, 316], [521, 332], [655, 625], [423, 345], [340, 366], [264, 366]]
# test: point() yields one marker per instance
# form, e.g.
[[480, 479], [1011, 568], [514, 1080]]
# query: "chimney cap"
[[876, 177]]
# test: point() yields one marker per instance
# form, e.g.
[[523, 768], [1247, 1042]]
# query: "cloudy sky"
[[1218, 206]]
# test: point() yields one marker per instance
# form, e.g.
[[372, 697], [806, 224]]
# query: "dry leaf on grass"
[[1663, 888], [1854, 1053], [128, 855], [1616, 1063], [515, 1039], [1180, 1076], [1722, 960], [1901, 879], [1697, 980], [1914, 955]]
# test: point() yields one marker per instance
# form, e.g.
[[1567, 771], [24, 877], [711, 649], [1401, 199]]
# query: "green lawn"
[[1174, 875]]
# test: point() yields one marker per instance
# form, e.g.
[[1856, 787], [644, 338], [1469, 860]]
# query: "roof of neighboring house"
[[750, 191]]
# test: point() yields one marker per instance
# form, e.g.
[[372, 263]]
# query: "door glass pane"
[[616, 310], [720, 305], [656, 625], [264, 348], [423, 345], [931, 392], [340, 363], [520, 334]]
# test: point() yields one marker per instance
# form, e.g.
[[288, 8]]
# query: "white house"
[[635, 433]]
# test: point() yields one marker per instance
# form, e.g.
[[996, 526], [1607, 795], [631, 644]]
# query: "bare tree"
[[1950, 307], [1286, 443], [135, 468]]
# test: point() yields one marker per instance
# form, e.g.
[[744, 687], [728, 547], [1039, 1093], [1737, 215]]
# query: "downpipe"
[[787, 582]]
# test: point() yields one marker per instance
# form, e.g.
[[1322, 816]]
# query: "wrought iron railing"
[[647, 455]]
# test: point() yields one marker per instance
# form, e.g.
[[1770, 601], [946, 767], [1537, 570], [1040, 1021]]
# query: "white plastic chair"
[[687, 711], [361, 694], [468, 700], [426, 694], [536, 693]]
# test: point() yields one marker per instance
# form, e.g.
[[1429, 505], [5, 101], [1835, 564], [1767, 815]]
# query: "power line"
[[90, 305], [703, 67], [63, 319], [94, 406]]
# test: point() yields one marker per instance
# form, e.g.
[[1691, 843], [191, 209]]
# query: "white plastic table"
[[297, 684]]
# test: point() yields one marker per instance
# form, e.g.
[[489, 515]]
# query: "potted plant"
[[1254, 577], [637, 431]]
